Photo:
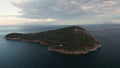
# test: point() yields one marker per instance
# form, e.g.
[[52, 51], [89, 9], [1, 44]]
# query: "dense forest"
[[68, 38]]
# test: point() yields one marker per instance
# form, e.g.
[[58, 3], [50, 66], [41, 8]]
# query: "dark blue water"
[[16, 54]]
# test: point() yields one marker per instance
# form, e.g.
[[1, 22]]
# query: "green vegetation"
[[68, 38]]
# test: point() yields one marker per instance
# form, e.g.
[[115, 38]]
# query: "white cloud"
[[87, 7], [67, 10], [116, 21], [110, 2], [20, 1], [12, 20], [117, 10]]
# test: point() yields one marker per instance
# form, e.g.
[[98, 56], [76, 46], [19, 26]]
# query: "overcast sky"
[[17, 12]]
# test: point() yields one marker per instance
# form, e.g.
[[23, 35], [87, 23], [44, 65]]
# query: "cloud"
[[49, 8], [67, 10], [13, 20], [116, 21]]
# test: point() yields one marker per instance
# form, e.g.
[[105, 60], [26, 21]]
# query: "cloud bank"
[[79, 11]]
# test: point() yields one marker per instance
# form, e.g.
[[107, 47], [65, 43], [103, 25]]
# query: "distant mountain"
[[67, 40]]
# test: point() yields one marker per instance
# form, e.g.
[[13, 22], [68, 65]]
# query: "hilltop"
[[67, 40]]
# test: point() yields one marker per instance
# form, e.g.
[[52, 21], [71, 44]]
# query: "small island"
[[67, 40]]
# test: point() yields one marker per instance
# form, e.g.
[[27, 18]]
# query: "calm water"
[[16, 54]]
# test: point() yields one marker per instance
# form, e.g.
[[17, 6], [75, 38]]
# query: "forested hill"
[[69, 39]]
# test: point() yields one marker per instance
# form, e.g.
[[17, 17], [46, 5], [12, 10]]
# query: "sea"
[[19, 54]]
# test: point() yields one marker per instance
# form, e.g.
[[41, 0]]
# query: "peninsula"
[[67, 40]]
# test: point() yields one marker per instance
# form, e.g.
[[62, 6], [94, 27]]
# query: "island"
[[67, 40]]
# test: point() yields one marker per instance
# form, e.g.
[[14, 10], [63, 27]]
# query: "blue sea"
[[17, 54]]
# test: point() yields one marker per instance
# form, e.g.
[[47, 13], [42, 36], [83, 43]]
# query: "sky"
[[59, 12]]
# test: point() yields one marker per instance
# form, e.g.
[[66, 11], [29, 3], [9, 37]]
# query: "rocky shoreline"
[[68, 40], [62, 51], [31, 41]]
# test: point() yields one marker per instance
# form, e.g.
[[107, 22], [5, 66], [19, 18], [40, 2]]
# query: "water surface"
[[16, 54]]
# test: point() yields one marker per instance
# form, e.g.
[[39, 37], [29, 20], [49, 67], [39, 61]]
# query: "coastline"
[[62, 51], [31, 41]]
